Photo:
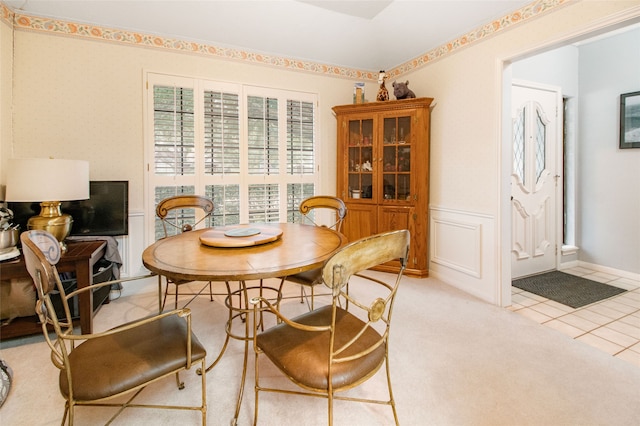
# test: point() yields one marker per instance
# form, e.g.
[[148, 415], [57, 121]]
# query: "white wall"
[[609, 177], [557, 67]]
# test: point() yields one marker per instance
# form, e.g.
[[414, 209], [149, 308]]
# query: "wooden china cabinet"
[[383, 173]]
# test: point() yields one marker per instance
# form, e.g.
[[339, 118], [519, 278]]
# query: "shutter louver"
[[300, 137], [250, 149], [221, 133], [296, 193], [226, 204], [174, 131], [262, 123], [264, 203]]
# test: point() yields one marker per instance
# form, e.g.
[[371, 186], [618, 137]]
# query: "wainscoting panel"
[[135, 245], [131, 247], [464, 252], [448, 251]]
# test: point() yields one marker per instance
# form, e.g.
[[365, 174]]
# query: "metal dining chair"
[[177, 213], [332, 349], [96, 368], [308, 208]]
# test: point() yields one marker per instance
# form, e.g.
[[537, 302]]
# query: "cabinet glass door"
[[396, 158], [361, 164]]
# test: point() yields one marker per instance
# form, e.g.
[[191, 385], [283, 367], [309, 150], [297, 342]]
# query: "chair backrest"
[[181, 202], [376, 310], [325, 202], [41, 252]]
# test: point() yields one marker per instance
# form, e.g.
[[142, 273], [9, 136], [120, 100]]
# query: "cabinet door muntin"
[[396, 159], [361, 159]]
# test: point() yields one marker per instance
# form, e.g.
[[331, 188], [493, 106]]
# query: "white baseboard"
[[568, 265], [463, 252], [608, 270]]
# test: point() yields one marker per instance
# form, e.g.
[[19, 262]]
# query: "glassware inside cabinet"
[[360, 132], [396, 186], [396, 161], [404, 187], [354, 133], [389, 130], [360, 171], [367, 132], [397, 130], [404, 130], [360, 159]]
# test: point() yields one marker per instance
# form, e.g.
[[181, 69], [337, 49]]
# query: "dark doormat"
[[567, 289]]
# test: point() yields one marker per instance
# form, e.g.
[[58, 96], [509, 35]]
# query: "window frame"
[[200, 180]]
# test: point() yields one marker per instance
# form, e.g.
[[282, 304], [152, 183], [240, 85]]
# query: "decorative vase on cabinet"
[[383, 173]]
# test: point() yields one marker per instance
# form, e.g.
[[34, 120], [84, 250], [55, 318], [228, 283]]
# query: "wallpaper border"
[[48, 25]]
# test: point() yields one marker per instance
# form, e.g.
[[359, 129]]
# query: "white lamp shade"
[[44, 179]]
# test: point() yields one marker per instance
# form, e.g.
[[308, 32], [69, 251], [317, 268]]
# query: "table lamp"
[[43, 179]]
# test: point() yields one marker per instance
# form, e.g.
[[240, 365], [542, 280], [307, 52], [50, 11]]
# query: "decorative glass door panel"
[[361, 164], [396, 159], [535, 231]]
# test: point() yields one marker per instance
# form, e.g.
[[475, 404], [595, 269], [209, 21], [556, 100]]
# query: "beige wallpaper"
[[82, 99], [6, 84]]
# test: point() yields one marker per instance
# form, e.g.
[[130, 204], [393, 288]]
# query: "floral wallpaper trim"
[[6, 14], [36, 23], [527, 12]]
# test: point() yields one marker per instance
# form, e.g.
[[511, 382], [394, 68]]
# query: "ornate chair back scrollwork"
[[308, 208], [95, 368], [333, 349], [312, 204]]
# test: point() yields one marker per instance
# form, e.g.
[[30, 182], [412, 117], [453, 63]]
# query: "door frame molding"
[[503, 78]]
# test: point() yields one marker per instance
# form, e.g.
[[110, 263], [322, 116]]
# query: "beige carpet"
[[455, 361]]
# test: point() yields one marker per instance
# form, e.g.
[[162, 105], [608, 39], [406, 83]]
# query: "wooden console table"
[[79, 258]]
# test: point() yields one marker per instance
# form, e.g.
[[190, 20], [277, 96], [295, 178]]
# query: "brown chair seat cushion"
[[304, 356], [179, 282], [109, 365], [312, 277]]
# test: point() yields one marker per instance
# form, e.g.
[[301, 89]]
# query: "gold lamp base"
[[52, 220]]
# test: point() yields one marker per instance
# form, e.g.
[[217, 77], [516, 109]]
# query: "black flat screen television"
[[106, 212]]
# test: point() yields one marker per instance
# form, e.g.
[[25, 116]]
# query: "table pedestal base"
[[237, 303]]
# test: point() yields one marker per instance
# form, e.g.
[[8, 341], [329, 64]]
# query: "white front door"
[[535, 115]]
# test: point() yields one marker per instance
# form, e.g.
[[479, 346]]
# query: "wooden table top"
[[301, 248]]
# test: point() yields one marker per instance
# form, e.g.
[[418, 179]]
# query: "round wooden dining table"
[[300, 248], [297, 248]]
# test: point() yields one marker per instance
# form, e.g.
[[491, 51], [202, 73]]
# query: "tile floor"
[[612, 325]]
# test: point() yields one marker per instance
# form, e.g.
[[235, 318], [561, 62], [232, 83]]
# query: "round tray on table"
[[240, 236]]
